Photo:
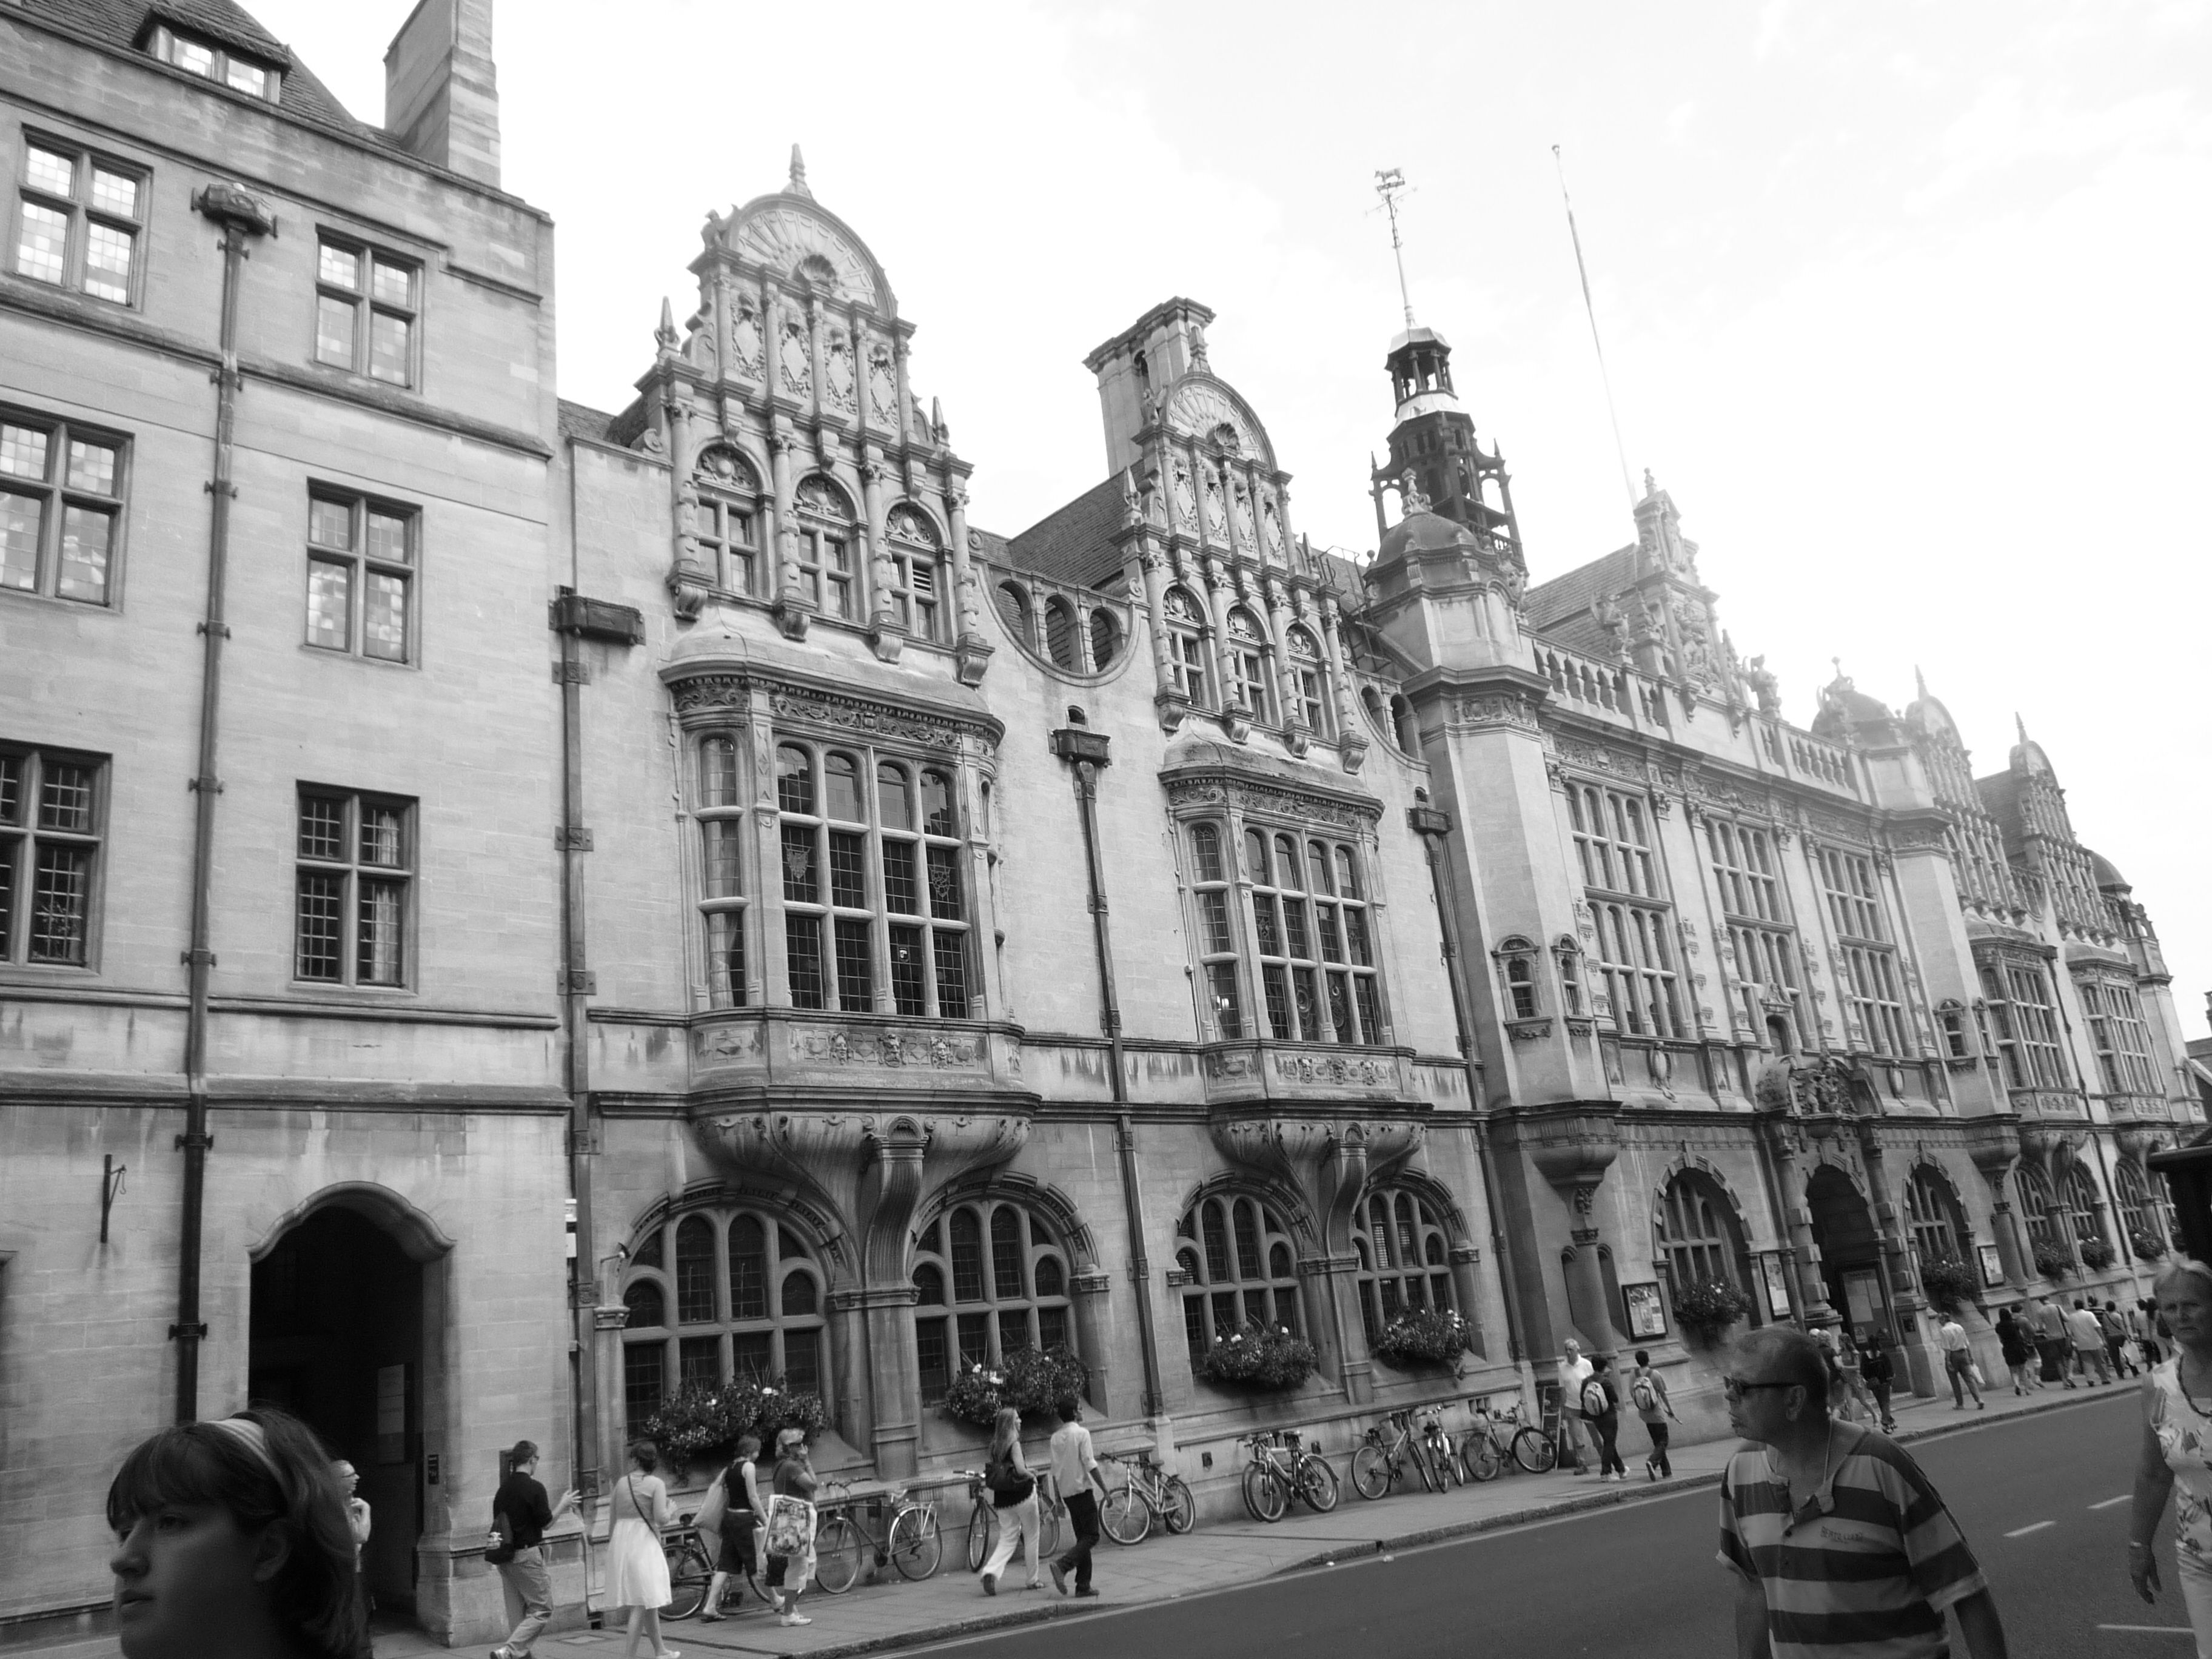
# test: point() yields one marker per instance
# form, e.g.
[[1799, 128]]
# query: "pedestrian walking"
[[1574, 1372], [1959, 1363], [358, 1522], [1074, 1473], [2018, 1351], [2054, 1340], [791, 1532], [520, 1516], [2144, 1323], [637, 1565], [231, 1538], [1647, 1392], [1013, 1491], [2116, 1340], [1880, 1371], [2087, 1332], [1850, 1370], [1601, 1404], [742, 1508], [2177, 1432], [1840, 1544]]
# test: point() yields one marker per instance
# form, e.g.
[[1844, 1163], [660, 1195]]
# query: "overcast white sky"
[[1904, 303]]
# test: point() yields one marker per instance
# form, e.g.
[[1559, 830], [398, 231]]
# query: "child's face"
[[185, 1574]]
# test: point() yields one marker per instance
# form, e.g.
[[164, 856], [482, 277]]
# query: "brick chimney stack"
[[440, 88]]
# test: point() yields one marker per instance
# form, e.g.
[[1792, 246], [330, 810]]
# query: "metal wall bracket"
[[577, 983], [566, 840], [572, 673]]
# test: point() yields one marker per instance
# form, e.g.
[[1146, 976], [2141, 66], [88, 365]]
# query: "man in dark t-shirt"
[[526, 1578]]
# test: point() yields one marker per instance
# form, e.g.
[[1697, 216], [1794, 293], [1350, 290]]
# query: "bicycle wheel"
[[1255, 1476], [1048, 1528], [915, 1546], [1370, 1471], [1448, 1465], [1178, 1508], [1420, 1460], [838, 1551], [689, 1571], [1478, 1455], [1267, 1494], [1533, 1450], [1126, 1515], [979, 1523], [1317, 1483]]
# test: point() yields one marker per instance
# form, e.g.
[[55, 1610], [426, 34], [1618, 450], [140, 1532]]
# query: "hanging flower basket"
[[1031, 1381], [2145, 1246], [1423, 1336], [1950, 1284], [2098, 1254], [1707, 1310], [1260, 1356], [699, 1424], [2050, 1262]]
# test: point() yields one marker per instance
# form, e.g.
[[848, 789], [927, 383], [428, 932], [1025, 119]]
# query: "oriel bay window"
[[1315, 958], [1403, 1262], [990, 1278], [2116, 1028], [722, 1296], [1238, 1269], [1869, 962], [722, 877], [1217, 931], [2023, 1024], [871, 871]]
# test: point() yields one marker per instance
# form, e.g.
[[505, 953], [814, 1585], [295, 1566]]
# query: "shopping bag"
[[1974, 1371]]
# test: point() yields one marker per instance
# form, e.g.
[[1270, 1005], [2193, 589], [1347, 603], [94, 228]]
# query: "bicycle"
[[1147, 1493], [983, 1518], [1532, 1449], [1378, 1465], [1302, 1472], [690, 1570], [1437, 1446], [910, 1540]]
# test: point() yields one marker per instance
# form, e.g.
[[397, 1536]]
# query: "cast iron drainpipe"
[[1088, 750], [241, 216], [576, 987], [1432, 825]]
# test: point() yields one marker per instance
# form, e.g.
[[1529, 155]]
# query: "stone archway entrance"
[[339, 1338], [1851, 1253]]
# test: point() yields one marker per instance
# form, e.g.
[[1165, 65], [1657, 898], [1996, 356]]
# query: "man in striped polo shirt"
[[1841, 1547]]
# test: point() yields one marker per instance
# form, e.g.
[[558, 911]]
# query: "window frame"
[[1300, 993], [24, 833], [2120, 1035], [815, 526], [361, 565], [1698, 1238], [1934, 1220], [724, 495], [2040, 1210], [80, 210], [909, 552], [57, 496], [366, 305], [2018, 999], [936, 1252], [1251, 657], [1310, 676], [1389, 1284], [1252, 1290], [352, 873], [1624, 882], [725, 848], [1190, 659], [2082, 1205], [163, 43], [2142, 1210], [1868, 976]]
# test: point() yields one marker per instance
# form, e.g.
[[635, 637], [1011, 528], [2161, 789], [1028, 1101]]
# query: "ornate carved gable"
[[810, 246], [1200, 406]]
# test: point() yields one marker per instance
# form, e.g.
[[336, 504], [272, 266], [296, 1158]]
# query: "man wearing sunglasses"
[[1841, 1547]]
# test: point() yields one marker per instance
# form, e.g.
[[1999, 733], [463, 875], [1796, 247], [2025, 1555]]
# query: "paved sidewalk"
[[878, 1616]]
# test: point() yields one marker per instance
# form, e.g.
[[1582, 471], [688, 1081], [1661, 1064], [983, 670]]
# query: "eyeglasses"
[[1736, 1390]]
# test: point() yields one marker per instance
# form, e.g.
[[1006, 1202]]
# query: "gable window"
[[1403, 1263], [355, 864], [80, 221], [52, 808], [1309, 924], [725, 523], [721, 818], [1238, 1269], [210, 62], [1000, 1287], [366, 305], [1187, 647], [360, 567], [2024, 1023], [1306, 673], [1248, 665], [826, 531], [871, 869], [1869, 961], [722, 1296], [2116, 1029], [61, 508], [917, 560]]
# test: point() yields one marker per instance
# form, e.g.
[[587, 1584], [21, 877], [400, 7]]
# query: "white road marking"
[[2164, 1630], [2108, 1504], [2022, 1532]]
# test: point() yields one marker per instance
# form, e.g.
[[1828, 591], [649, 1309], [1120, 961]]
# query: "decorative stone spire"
[[798, 185], [666, 337]]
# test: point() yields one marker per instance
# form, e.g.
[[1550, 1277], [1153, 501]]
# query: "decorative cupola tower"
[[1432, 442]]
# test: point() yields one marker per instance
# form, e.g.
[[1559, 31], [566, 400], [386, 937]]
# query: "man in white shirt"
[[1959, 1361], [1074, 1472], [2089, 1338], [1574, 1372]]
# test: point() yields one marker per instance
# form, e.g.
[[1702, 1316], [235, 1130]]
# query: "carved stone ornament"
[[1335, 1068], [1513, 711], [1196, 408], [787, 238], [864, 719], [1270, 801]]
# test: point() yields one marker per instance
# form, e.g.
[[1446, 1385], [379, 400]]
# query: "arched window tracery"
[[1404, 1258], [991, 1277], [1239, 1268], [917, 561], [827, 536], [1699, 1239], [1931, 1211]]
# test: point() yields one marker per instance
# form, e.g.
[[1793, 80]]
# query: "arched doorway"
[[339, 1334], [1851, 1253]]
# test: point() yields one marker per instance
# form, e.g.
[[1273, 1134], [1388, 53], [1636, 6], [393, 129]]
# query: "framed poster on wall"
[[1992, 1267], [1647, 1313], [1778, 1285]]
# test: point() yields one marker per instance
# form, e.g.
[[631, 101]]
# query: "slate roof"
[[121, 25], [1560, 609], [579, 421], [1074, 545]]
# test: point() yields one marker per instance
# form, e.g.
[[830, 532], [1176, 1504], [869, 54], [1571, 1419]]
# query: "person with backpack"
[[2116, 1340], [1601, 1406], [1013, 1491], [790, 1536], [1647, 1392], [2019, 1352]]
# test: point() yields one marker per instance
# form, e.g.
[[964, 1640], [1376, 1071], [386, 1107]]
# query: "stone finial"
[[2020, 726], [1411, 500], [666, 337], [798, 185], [1650, 484]]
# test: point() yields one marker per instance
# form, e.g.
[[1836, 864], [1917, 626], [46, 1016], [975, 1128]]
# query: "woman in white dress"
[[2177, 1447], [637, 1569]]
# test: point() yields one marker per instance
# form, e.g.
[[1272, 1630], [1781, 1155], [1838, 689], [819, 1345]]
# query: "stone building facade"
[[879, 945]]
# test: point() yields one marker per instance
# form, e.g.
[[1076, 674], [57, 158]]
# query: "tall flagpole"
[[1589, 306], [1389, 184]]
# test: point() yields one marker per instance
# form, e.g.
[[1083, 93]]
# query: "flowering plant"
[[1423, 1336], [1260, 1356], [1950, 1282], [2097, 1253], [701, 1422], [1030, 1380], [2050, 1262], [2146, 1247], [1707, 1310]]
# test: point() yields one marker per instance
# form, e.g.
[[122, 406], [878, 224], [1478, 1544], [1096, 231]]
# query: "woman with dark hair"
[[637, 1566], [741, 1486], [233, 1543]]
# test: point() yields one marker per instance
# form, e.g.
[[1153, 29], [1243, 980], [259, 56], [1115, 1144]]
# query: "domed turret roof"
[[2101, 868], [1425, 532]]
